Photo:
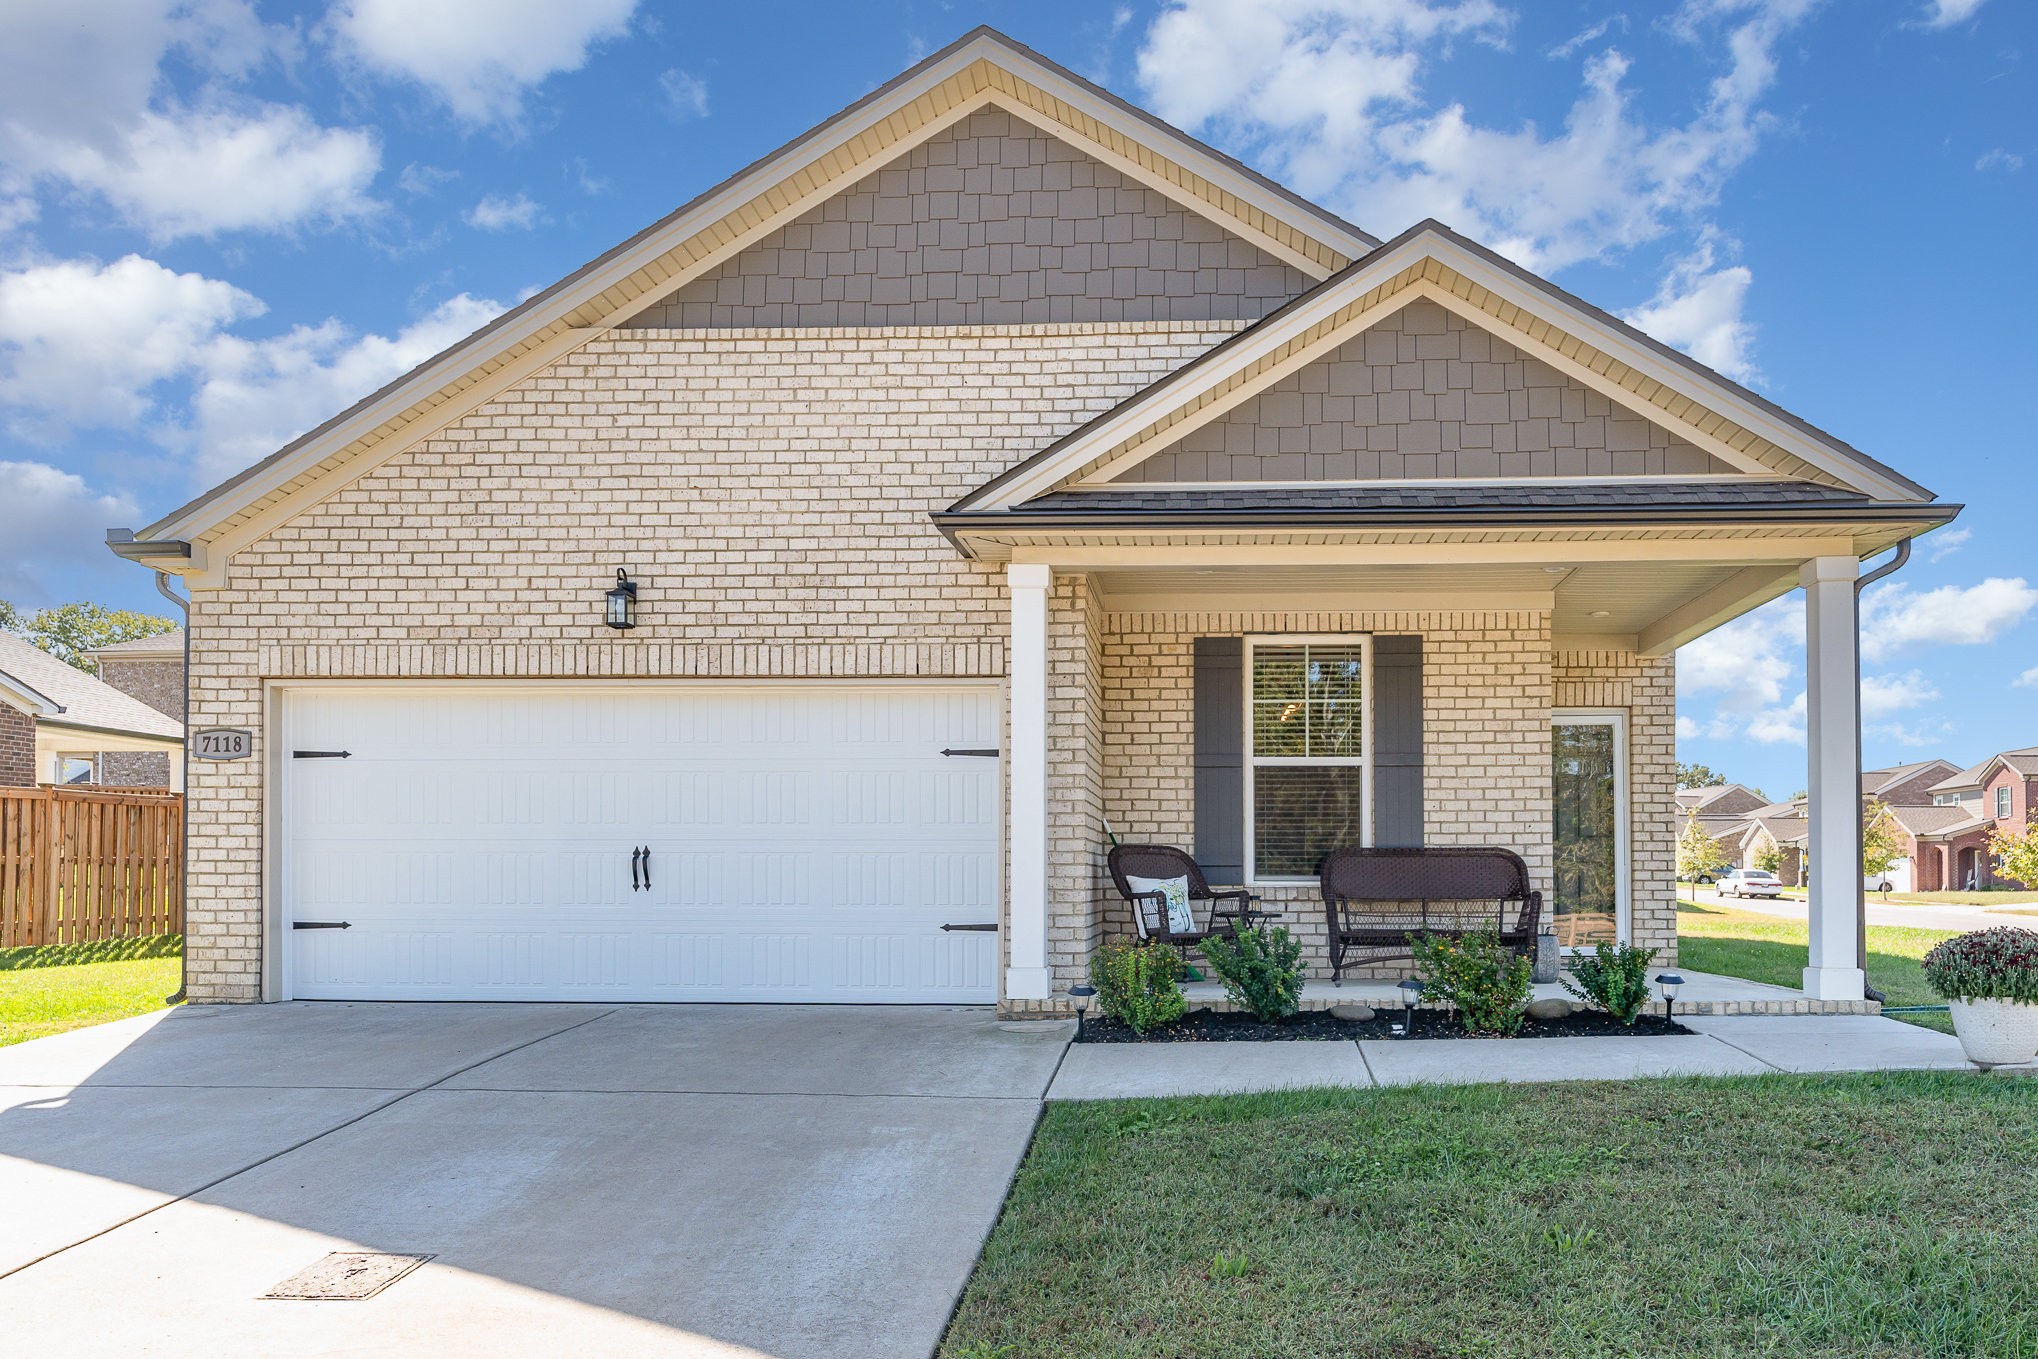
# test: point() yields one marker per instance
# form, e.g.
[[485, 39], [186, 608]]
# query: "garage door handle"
[[991, 928], [321, 924], [647, 868], [636, 857]]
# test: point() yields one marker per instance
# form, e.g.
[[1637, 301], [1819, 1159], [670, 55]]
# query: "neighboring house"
[[2000, 792], [152, 670], [1785, 826], [1782, 827], [1906, 785], [59, 724], [991, 463], [1723, 800]]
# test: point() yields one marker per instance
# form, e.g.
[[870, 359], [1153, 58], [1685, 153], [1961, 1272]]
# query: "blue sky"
[[220, 222]]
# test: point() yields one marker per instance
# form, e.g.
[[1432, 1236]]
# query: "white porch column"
[[1832, 722], [1027, 977]]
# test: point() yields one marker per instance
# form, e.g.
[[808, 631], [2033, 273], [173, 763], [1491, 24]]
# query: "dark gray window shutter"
[[1397, 741], [1220, 758]]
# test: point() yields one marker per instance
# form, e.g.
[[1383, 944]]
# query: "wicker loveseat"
[[1377, 901]]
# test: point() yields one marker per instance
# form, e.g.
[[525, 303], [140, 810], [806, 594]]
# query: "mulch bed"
[[1211, 1026]]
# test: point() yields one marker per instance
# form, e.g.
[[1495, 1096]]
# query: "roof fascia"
[[27, 698], [557, 305]]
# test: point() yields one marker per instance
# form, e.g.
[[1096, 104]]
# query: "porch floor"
[[1703, 993]]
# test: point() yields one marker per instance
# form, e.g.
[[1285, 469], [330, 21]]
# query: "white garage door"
[[483, 843]]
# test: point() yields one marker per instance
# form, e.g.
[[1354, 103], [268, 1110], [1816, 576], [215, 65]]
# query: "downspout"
[[184, 779], [1903, 554]]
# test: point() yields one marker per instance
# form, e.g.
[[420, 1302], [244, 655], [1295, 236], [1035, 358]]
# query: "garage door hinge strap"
[[320, 754], [321, 924], [989, 754], [973, 929]]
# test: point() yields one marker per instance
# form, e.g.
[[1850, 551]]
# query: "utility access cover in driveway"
[[345, 1276]]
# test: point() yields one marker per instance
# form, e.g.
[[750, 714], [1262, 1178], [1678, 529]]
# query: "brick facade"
[[17, 748], [160, 684]]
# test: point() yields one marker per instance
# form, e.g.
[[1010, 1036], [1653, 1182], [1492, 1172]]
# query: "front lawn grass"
[[1877, 1215], [1767, 948], [38, 1001]]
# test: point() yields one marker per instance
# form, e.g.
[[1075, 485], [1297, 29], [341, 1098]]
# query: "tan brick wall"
[[1486, 735], [1645, 687], [769, 491]]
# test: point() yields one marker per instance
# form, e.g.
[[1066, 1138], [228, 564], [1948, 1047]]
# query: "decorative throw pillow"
[[1181, 919]]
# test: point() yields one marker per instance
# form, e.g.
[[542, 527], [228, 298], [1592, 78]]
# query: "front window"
[[2003, 803], [1307, 768]]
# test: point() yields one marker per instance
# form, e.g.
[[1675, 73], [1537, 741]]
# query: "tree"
[[1698, 854], [71, 631], [1698, 776], [2016, 853], [1769, 856], [1883, 843]]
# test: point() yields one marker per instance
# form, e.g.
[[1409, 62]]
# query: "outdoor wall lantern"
[[622, 602], [1669, 982], [1081, 996], [1411, 994]]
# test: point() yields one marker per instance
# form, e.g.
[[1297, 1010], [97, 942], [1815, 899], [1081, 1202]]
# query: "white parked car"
[[1749, 882]]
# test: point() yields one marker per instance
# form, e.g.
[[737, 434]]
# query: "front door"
[[1589, 827]]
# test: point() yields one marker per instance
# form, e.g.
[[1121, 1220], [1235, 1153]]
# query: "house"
[[150, 669], [790, 604], [1784, 828], [60, 725], [1999, 793], [1719, 802]]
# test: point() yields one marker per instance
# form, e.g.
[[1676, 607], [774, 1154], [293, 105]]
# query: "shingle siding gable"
[[993, 222]]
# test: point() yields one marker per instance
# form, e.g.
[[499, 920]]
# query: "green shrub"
[[1138, 982], [1615, 977], [1487, 982], [1997, 964], [1261, 970], [100, 951]]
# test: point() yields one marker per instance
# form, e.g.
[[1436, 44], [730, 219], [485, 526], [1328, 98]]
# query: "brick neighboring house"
[[1722, 812], [150, 669], [1905, 788], [2001, 791], [992, 465], [60, 725]]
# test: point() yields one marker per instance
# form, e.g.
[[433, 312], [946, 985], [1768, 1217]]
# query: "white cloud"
[[1946, 542], [1884, 695], [686, 96], [82, 103], [1894, 617], [2027, 680], [1999, 159], [1328, 93], [1687, 728], [1946, 13], [84, 343], [1698, 309], [254, 396], [1748, 667], [496, 212], [182, 172], [422, 181], [51, 524], [478, 57]]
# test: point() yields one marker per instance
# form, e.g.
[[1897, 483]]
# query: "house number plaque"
[[222, 743]]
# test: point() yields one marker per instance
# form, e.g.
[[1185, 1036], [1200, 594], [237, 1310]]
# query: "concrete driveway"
[[690, 1180]]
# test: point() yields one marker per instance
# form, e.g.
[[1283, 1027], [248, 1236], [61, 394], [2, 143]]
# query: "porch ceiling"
[[1611, 604]]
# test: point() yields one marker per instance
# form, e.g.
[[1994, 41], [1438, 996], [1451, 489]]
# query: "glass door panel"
[[1587, 839]]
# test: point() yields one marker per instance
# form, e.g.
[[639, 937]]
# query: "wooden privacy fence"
[[79, 865]]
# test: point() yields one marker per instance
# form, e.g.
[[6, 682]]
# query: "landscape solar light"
[[1411, 995], [1081, 996], [1669, 982], [621, 601]]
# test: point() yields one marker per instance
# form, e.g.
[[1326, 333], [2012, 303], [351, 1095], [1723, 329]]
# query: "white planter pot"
[[1996, 1032]]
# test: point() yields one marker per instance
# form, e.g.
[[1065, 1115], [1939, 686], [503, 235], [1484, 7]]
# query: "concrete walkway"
[[657, 1181], [1724, 1045]]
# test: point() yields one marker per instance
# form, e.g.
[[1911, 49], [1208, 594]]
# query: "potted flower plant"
[[1990, 981]]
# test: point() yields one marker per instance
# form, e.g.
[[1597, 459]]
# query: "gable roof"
[[983, 67], [2024, 761], [1874, 782], [66, 696], [1430, 260], [1934, 821], [161, 646]]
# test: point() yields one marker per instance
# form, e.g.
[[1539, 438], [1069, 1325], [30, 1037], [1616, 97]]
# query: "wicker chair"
[[1376, 901], [1149, 909]]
